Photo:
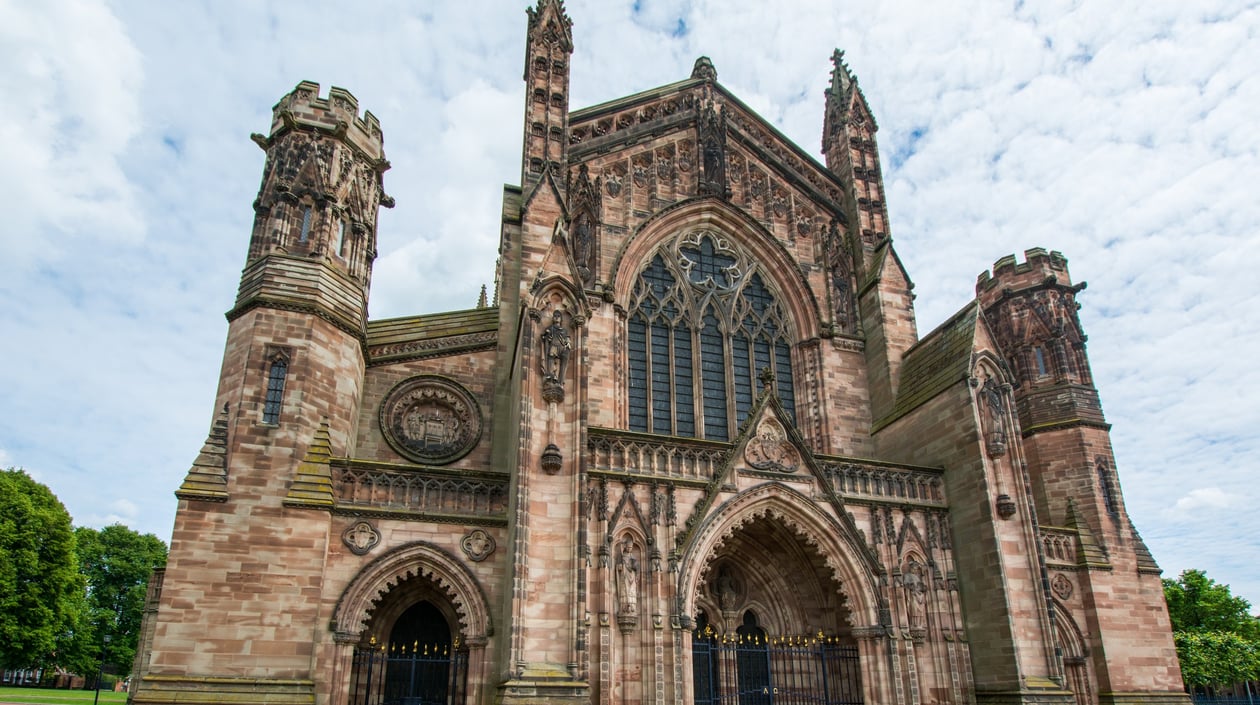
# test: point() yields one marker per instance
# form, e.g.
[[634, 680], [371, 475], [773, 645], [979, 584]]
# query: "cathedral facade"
[[692, 450]]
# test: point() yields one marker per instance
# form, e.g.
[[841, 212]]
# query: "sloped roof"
[[938, 361], [432, 334]]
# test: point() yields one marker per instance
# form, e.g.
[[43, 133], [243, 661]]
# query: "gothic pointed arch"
[[417, 560], [852, 567], [711, 213]]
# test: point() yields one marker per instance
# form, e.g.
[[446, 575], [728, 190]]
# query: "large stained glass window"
[[703, 324]]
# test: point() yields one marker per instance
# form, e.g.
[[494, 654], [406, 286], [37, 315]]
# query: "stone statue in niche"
[[727, 590], [556, 346], [915, 584], [627, 580], [584, 247], [993, 412]]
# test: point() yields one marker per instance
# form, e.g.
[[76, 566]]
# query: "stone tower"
[[289, 394], [1031, 308]]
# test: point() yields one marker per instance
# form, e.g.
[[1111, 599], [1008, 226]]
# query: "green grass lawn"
[[57, 697]]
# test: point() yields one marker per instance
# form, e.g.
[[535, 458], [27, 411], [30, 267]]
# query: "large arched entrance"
[[772, 623]]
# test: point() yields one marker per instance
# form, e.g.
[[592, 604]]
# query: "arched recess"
[[851, 566], [419, 560], [699, 213], [1074, 650]]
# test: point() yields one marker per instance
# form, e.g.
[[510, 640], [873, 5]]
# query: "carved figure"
[[916, 593], [993, 410], [727, 591], [627, 579], [556, 347]]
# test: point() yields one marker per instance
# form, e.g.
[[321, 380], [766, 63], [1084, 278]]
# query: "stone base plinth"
[[168, 690]]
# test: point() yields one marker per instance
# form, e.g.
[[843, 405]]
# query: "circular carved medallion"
[[1061, 586], [431, 419]]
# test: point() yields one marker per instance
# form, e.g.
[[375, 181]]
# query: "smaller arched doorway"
[[411, 655]]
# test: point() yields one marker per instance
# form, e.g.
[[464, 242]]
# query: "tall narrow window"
[[341, 237], [1040, 354], [703, 325], [275, 389], [306, 224], [1105, 488]]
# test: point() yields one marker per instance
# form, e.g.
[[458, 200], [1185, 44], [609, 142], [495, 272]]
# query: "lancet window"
[[703, 325]]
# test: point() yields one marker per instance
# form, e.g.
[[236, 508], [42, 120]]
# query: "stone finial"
[[481, 300], [312, 483], [704, 69], [207, 478]]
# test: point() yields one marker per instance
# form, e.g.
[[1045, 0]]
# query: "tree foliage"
[[1216, 658], [40, 583], [1199, 603], [117, 562], [1218, 640]]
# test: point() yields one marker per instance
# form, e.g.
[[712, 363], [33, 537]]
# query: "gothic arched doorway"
[[411, 655], [773, 624]]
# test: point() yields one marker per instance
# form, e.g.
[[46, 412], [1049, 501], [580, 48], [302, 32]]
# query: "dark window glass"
[[701, 303], [275, 390]]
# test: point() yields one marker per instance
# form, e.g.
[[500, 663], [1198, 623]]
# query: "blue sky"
[[1122, 133]]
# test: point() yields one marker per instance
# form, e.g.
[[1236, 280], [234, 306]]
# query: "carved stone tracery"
[[431, 419]]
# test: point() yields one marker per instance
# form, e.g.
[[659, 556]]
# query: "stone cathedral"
[[692, 449]]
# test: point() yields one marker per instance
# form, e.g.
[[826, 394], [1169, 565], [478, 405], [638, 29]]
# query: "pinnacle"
[[704, 69], [312, 483], [207, 478]]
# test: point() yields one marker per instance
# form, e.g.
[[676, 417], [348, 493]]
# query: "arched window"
[[703, 324], [275, 388]]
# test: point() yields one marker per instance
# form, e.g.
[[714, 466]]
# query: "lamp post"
[[100, 666]]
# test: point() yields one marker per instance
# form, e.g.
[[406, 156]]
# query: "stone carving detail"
[[431, 419], [842, 283], [914, 580], [361, 537], [1061, 586], [712, 129], [478, 545], [556, 345], [627, 575], [585, 202], [991, 396], [727, 590], [770, 448]]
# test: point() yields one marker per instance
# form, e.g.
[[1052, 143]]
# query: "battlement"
[[338, 114], [1038, 267]]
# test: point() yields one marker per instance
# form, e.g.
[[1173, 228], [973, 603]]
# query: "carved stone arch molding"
[[775, 263], [423, 560], [852, 569]]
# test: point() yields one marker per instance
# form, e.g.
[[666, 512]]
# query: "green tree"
[[1218, 640], [39, 577], [1216, 658], [116, 562], [1198, 603]]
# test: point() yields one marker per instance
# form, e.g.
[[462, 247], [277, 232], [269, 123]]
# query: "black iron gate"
[[415, 675], [775, 671]]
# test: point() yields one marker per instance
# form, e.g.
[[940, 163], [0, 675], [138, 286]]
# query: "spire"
[[841, 77], [207, 478], [548, 44], [481, 300], [312, 484]]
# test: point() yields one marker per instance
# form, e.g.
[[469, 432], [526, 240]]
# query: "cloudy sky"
[[1121, 132]]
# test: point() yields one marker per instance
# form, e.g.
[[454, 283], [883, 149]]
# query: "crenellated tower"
[[548, 45], [289, 395], [1031, 308]]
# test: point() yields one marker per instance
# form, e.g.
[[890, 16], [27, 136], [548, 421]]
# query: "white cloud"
[[1204, 498]]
